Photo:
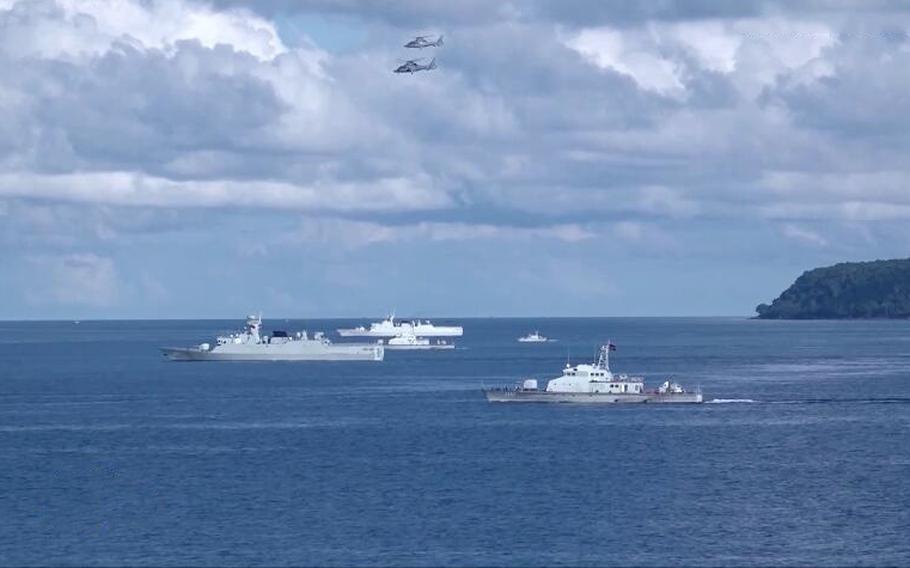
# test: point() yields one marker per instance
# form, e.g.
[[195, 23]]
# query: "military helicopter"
[[412, 66], [421, 42]]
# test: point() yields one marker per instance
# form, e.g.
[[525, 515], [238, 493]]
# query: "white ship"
[[408, 341], [250, 345], [533, 338], [390, 328], [594, 384]]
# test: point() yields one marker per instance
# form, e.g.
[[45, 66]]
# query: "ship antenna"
[[603, 355]]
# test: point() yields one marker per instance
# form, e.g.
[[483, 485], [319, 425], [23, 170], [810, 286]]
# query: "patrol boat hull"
[[517, 395]]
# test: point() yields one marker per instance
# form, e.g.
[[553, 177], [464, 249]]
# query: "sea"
[[112, 455]]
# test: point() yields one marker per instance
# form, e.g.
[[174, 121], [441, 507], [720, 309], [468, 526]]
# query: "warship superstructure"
[[593, 383], [250, 345], [390, 328], [407, 341]]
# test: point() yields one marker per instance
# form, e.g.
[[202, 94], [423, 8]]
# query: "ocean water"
[[111, 455]]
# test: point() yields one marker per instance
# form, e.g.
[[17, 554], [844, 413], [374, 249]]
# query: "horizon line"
[[434, 317]]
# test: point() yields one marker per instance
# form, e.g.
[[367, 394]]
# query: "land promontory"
[[876, 289]]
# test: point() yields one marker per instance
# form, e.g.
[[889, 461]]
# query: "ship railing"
[[510, 388]]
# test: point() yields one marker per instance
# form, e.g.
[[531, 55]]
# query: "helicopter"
[[412, 66], [421, 42]]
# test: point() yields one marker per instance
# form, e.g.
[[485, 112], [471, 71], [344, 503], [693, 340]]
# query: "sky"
[[186, 158]]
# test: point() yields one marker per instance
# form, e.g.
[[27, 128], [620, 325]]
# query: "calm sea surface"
[[111, 455]]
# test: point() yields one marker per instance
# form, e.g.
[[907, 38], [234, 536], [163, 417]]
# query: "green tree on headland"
[[876, 289]]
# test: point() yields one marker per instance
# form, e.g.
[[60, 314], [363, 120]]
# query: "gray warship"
[[250, 345], [594, 383]]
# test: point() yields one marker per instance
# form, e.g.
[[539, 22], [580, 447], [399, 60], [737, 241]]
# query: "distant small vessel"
[[390, 328], [533, 338], [593, 384], [250, 345]]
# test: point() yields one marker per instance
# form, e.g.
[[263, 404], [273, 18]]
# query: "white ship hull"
[[265, 352], [419, 331], [518, 395], [430, 347]]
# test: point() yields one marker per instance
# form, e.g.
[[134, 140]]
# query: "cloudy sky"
[[182, 158]]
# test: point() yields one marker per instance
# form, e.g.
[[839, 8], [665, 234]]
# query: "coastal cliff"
[[876, 289]]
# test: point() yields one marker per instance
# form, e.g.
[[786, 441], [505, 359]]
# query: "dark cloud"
[[442, 14], [865, 94], [133, 108]]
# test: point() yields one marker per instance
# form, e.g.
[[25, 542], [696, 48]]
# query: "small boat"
[[533, 338]]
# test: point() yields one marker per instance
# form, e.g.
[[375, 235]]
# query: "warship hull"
[[264, 353], [518, 395], [430, 347]]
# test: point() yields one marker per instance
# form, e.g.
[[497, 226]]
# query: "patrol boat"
[[389, 328], [533, 338], [593, 384], [250, 345]]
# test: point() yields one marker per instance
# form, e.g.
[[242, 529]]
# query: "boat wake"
[[883, 400]]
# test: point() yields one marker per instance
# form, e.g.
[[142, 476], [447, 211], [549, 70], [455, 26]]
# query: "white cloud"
[[851, 196], [803, 235], [306, 129], [644, 236], [203, 118], [883, 184], [68, 28], [74, 279], [754, 51], [660, 200], [364, 233], [630, 231], [139, 190], [635, 55]]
